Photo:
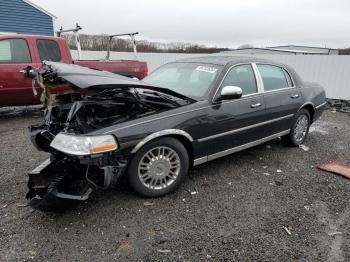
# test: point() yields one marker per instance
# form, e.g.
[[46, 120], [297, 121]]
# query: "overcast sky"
[[222, 23]]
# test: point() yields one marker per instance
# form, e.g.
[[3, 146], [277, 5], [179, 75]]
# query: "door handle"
[[255, 105], [294, 96]]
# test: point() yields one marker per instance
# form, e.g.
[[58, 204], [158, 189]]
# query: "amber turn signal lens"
[[101, 149]]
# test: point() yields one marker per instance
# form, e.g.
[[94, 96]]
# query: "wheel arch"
[[184, 137], [309, 107]]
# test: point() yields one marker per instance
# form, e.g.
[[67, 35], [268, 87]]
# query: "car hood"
[[83, 77]]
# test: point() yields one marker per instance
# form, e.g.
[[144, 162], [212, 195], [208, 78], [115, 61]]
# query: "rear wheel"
[[159, 167], [299, 130]]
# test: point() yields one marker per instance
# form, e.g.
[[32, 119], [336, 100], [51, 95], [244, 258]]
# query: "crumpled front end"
[[79, 102], [62, 181]]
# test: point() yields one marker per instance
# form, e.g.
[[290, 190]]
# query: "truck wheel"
[[299, 130], [159, 167]]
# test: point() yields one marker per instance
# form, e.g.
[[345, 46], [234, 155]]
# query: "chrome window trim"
[[244, 128], [229, 151]]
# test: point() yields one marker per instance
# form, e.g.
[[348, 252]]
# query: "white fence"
[[331, 71]]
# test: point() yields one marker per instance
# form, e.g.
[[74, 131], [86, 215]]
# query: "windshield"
[[189, 79]]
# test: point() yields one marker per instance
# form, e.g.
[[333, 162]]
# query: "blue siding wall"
[[19, 17]]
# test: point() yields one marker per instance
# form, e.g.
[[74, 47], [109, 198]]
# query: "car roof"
[[224, 60]]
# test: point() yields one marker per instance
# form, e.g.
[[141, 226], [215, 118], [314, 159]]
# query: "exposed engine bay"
[[77, 105]]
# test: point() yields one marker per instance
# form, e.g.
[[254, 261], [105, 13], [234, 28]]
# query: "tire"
[[299, 130], [159, 167]]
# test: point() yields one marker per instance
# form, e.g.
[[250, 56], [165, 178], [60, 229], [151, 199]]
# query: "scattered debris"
[[264, 167], [164, 250], [208, 256], [272, 184], [266, 174], [287, 230], [194, 192], [279, 171], [307, 207], [148, 204], [337, 168], [230, 183], [22, 205], [335, 233], [278, 183], [304, 147], [4, 206], [339, 105]]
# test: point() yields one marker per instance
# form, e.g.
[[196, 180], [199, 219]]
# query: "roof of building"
[[39, 8], [315, 47], [222, 60], [276, 49]]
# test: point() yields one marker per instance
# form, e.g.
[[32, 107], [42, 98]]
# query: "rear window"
[[49, 50], [273, 77], [14, 51]]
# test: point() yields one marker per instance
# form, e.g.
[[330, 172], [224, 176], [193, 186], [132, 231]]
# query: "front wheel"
[[159, 167], [299, 130]]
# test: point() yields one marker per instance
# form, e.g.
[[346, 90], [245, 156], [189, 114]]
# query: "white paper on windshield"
[[207, 69]]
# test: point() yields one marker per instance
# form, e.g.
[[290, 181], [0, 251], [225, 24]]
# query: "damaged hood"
[[83, 77]]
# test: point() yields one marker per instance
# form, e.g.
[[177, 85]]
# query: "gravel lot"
[[243, 209]]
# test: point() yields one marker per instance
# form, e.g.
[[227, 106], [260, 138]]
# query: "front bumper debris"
[[56, 185]]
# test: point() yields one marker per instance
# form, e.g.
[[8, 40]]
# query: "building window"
[[14, 51], [49, 50]]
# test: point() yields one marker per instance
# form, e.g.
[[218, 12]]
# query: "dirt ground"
[[266, 203]]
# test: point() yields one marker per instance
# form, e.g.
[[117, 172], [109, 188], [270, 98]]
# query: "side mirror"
[[230, 92], [29, 72]]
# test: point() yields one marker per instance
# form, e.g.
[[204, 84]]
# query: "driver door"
[[235, 123]]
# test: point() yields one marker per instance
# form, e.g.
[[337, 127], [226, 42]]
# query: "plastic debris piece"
[[337, 168], [268, 146], [194, 192], [148, 204], [4, 206], [266, 174], [335, 233], [304, 147], [164, 250], [287, 230], [22, 205], [279, 171], [307, 207], [264, 167]]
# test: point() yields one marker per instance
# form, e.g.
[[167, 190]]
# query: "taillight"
[[145, 71]]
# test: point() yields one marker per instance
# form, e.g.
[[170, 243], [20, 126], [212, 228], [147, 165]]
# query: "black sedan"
[[99, 126]]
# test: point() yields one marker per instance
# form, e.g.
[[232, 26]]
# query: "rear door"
[[235, 122], [15, 89], [281, 96]]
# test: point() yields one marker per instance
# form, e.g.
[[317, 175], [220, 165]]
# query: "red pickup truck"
[[19, 51]]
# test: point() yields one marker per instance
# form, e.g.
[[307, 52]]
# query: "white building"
[[282, 50]]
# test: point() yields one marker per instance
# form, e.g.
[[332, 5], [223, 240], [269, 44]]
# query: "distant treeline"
[[100, 42], [345, 51]]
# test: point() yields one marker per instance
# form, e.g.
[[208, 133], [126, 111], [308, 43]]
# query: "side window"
[[273, 77], [14, 51], [243, 77], [49, 50]]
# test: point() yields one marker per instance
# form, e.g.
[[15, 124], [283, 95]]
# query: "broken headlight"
[[84, 145]]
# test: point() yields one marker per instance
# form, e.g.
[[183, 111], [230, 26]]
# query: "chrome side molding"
[[205, 159], [244, 128]]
